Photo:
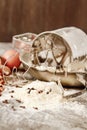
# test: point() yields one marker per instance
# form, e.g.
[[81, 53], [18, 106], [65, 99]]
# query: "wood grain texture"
[[20, 16]]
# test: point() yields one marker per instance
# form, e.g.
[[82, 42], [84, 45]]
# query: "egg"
[[11, 58]]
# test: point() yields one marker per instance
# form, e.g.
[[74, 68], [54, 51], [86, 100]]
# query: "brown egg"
[[11, 58]]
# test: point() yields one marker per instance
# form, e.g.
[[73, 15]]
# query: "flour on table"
[[38, 93]]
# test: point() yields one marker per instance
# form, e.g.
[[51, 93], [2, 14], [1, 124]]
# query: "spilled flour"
[[39, 106], [37, 94]]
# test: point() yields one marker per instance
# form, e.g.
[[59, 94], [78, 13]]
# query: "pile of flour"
[[39, 94]]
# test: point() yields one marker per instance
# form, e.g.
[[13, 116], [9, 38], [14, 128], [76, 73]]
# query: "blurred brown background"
[[20, 16]]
